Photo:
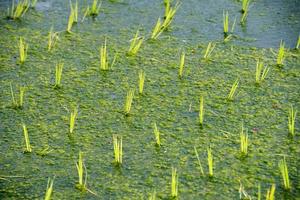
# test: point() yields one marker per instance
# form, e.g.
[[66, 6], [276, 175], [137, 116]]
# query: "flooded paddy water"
[[169, 101]]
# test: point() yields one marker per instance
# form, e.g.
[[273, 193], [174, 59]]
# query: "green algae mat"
[[157, 99]]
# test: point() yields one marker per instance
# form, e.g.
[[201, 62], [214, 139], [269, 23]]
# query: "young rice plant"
[[210, 48], [15, 103], [233, 90], [49, 189], [201, 111], [181, 64], [261, 72], [104, 58], [281, 54], [82, 178], [271, 193], [27, 141], [73, 117], [17, 11], [199, 162], [284, 173], [157, 135], [174, 183], [23, 48], [118, 149], [135, 44], [210, 162], [291, 120], [128, 102], [141, 81], [244, 141], [52, 39], [58, 74]]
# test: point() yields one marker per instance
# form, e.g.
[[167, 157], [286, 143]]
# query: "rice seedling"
[[23, 48], [104, 58], [93, 11], [243, 194], [291, 120], [245, 10], [141, 81], [33, 3], [201, 111], [81, 185], [181, 65], [15, 103], [128, 102], [27, 141], [199, 162], [161, 26], [174, 183], [244, 141], [52, 39], [74, 10], [210, 162], [118, 149], [261, 72], [58, 74], [95, 8], [233, 90], [71, 20], [225, 22], [169, 16], [49, 189], [17, 11], [245, 5], [73, 117], [298, 42], [281, 54], [259, 192], [21, 96], [152, 195], [244, 17], [210, 48], [82, 175], [271, 193], [284, 173], [226, 25], [135, 44], [157, 30], [86, 13], [157, 135], [167, 4]]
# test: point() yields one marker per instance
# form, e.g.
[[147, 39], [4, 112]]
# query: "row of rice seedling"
[[117, 141]]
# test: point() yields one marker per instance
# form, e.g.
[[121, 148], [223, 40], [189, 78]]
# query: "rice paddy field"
[[101, 100]]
